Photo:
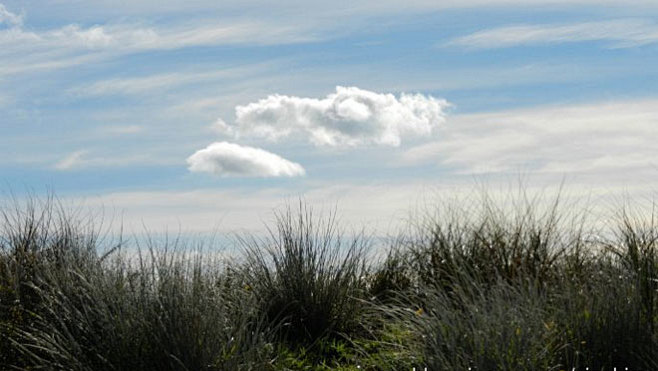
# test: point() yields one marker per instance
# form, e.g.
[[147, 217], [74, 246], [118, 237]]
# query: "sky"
[[208, 115]]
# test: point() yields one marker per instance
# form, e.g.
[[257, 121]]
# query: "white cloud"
[[121, 129], [146, 85], [301, 10], [138, 85], [71, 161], [23, 49], [85, 159], [607, 142], [221, 127], [621, 32], [134, 37], [229, 159], [28, 49], [349, 117], [382, 208], [9, 18], [383, 205]]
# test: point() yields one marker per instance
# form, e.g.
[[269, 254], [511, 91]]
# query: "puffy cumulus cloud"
[[233, 160], [221, 127], [348, 117]]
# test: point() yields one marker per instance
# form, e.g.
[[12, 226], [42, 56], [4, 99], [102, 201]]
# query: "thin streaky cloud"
[[9, 18], [248, 208], [23, 49], [597, 139], [135, 37], [316, 8], [86, 160], [121, 129], [147, 84], [382, 207], [71, 161], [620, 33]]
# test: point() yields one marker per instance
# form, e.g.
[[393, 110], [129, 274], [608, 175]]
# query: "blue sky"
[[210, 114]]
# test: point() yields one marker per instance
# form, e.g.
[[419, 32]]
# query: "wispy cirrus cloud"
[[602, 141], [71, 161], [142, 85], [121, 129], [9, 18], [349, 117], [311, 8], [233, 160], [246, 208], [620, 33], [99, 159], [24, 49]]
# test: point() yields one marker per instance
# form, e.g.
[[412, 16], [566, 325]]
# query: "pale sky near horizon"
[[209, 114]]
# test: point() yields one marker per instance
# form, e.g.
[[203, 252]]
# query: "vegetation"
[[506, 285]]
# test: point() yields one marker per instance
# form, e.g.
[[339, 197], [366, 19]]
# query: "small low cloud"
[[347, 118], [233, 160], [622, 33], [71, 161], [221, 127]]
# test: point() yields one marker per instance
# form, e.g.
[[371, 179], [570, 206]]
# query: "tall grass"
[[307, 275], [517, 284], [66, 306], [526, 288]]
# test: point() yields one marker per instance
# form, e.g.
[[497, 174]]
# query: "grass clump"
[[308, 276], [500, 328], [525, 288], [66, 306]]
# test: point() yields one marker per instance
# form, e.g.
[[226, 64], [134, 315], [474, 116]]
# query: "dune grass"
[[483, 285], [308, 275]]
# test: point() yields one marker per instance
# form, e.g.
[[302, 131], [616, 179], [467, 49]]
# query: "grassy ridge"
[[482, 286]]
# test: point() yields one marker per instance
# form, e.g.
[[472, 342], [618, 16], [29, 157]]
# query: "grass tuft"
[[308, 276]]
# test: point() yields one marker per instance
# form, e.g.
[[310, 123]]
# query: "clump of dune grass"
[[527, 288], [393, 276], [308, 275], [498, 326], [608, 305], [69, 303], [507, 239], [477, 283]]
